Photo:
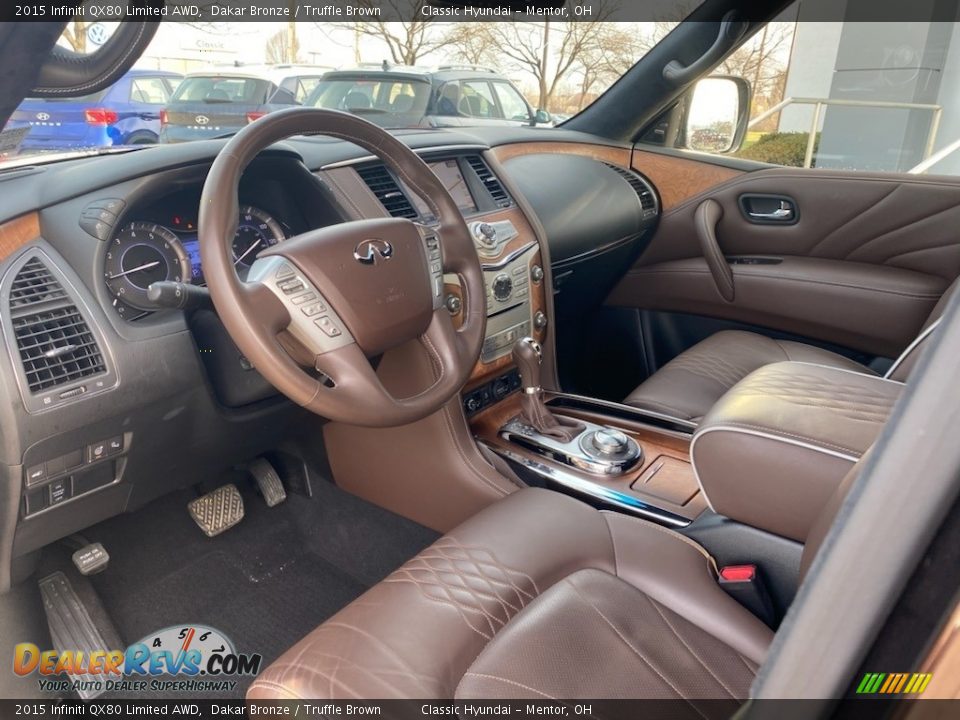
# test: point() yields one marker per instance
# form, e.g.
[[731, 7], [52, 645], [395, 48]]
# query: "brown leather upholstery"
[[689, 385], [537, 595], [773, 450]]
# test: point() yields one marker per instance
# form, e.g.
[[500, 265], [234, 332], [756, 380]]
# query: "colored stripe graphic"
[[893, 683]]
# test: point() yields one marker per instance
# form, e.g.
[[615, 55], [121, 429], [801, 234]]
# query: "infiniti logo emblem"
[[369, 251]]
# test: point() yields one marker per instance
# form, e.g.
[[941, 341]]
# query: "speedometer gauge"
[[256, 231], [143, 253]]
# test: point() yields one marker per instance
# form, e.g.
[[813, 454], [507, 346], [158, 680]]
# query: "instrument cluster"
[[145, 252]]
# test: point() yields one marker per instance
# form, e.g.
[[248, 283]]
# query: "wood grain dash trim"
[[16, 233], [679, 179]]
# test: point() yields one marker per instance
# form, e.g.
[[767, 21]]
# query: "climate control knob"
[[502, 287]]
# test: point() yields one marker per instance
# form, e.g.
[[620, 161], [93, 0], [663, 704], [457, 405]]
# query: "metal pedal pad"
[[217, 511], [268, 480]]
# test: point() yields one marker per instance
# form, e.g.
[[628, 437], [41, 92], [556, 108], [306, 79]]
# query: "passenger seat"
[[689, 385]]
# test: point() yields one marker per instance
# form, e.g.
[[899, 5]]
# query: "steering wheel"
[[315, 307]]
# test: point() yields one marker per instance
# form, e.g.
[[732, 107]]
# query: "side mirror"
[[542, 117], [716, 115]]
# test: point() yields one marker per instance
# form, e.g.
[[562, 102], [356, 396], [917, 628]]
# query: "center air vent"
[[388, 192], [648, 201], [489, 180], [57, 347]]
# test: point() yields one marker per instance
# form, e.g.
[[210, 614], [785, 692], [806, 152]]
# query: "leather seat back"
[[904, 364]]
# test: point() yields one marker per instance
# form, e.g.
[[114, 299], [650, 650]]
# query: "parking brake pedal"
[[268, 480], [217, 511]]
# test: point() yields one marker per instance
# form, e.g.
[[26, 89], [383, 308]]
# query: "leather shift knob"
[[528, 355]]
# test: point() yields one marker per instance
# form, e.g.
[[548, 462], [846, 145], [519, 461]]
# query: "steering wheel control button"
[[284, 272], [291, 286], [329, 328], [305, 297], [314, 309]]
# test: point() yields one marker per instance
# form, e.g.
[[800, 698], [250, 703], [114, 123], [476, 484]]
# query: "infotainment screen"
[[449, 173]]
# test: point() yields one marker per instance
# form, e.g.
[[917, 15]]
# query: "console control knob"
[[502, 287], [610, 442], [453, 304], [539, 320], [536, 273], [485, 233]]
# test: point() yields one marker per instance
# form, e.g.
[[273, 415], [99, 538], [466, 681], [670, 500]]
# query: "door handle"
[[784, 212], [706, 217], [769, 209]]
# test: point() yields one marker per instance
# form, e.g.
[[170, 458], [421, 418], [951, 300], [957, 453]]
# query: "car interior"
[[471, 413]]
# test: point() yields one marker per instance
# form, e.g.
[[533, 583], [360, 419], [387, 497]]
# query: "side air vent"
[[489, 181], [388, 192], [34, 284], [648, 201], [48, 329], [56, 348]]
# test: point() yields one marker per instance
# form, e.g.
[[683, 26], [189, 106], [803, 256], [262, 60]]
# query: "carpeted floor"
[[264, 583]]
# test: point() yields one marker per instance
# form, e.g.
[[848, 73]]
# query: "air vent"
[[388, 192], [34, 284], [489, 181], [56, 348], [648, 201]]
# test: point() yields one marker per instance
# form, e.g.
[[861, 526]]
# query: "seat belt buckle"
[[743, 584]]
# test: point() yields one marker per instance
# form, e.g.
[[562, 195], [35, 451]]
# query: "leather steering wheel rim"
[[376, 280]]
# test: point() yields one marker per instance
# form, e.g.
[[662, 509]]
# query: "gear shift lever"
[[528, 355]]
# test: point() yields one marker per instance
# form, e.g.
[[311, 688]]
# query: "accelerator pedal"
[[72, 627], [217, 511], [268, 480]]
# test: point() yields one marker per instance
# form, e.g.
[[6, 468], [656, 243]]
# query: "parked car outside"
[[126, 113], [220, 101], [447, 96]]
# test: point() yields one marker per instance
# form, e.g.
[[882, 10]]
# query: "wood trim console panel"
[[16, 233]]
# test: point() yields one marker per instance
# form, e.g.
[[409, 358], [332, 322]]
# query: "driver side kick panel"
[[861, 263]]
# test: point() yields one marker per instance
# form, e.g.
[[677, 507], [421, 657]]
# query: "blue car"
[[126, 113]]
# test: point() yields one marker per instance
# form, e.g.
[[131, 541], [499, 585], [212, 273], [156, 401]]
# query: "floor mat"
[[265, 583]]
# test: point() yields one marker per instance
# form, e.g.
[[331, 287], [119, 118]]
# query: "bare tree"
[[548, 50], [471, 43], [284, 46], [407, 41], [763, 60], [75, 33]]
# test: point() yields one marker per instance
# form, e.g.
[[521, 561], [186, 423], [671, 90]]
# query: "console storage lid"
[[776, 445]]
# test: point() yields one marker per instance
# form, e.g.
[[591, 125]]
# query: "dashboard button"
[[73, 459], [115, 445], [96, 451], [37, 473], [60, 490]]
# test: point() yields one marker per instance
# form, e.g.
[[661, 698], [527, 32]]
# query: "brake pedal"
[[217, 511], [268, 480]]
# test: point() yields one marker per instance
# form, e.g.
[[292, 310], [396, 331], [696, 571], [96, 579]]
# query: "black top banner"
[[347, 11]]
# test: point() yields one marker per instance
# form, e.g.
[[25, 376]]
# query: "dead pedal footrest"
[[217, 511], [268, 480]]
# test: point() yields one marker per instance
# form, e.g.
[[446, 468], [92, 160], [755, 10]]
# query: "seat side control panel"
[[56, 480]]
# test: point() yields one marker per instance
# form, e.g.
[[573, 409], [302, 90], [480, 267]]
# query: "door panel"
[[863, 264]]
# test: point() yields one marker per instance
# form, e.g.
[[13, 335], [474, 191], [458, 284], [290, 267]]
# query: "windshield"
[[202, 80]]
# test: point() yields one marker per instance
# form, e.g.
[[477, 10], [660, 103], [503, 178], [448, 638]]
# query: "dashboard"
[[144, 399]]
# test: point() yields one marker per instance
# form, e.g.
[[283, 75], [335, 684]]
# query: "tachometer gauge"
[[256, 231], [143, 253]]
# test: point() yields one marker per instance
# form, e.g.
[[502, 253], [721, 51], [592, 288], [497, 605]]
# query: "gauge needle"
[[145, 266], [249, 250]]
